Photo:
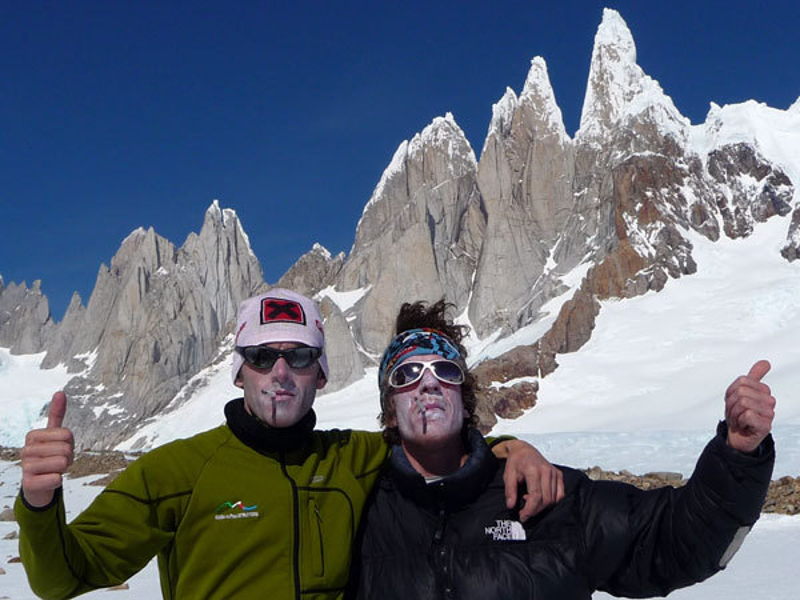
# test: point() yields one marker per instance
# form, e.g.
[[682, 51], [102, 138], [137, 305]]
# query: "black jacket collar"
[[261, 437], [454, 490]]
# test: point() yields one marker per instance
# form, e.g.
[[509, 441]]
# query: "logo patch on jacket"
[[504, 530], [235, 510], [279, 310]]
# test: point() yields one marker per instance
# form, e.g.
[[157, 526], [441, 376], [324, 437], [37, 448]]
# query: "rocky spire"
[[62, 341], [156, 316], [421, 231], [313, 271], [618, 88], [25, 321], [225, 263], [538, 94], [524, 177]]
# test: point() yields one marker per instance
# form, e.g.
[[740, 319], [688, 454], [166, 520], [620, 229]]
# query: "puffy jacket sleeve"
[[646, 543], [117, 535]]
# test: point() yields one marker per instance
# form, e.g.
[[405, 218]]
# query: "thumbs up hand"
[[749, 409], [47, 455]]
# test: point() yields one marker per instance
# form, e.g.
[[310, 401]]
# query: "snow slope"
[[24, 390]]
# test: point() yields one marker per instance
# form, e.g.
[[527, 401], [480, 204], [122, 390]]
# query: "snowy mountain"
[[541, 244]]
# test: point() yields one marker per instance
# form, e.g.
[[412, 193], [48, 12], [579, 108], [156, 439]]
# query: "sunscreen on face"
[[270, 393], [423, 412]]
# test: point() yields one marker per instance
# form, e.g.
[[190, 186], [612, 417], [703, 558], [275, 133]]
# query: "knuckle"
[[61, 463]]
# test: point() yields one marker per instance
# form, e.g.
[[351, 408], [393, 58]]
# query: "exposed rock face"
[[345, 362], [312, 272], [791, 251], [525, 179], [25, 321], [421, 231], [570, 331], [755, 190], [157, 315], [495, 398], [63, 337]]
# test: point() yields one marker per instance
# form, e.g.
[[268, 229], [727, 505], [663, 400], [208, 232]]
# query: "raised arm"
[[46, 456], [645, 543], [749, 409], [114, 538]]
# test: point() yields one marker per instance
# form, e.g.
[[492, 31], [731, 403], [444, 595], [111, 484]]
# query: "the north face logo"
[[504, 530], [279, 310]]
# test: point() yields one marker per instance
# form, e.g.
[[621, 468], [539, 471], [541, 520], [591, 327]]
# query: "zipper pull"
[[437, 537]]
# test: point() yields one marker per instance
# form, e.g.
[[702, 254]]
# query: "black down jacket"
[[456, 539]]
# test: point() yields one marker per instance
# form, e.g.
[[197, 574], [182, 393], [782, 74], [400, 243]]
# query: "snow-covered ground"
[[78, 495], [24, 390]]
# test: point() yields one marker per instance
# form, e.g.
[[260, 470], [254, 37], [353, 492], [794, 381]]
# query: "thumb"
[[758, 370], [58, 407]]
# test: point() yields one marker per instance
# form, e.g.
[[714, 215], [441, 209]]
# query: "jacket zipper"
[[316, 527], [443, 576], [296, 519]]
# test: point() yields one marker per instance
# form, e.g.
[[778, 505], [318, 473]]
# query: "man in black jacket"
[[438, 527]]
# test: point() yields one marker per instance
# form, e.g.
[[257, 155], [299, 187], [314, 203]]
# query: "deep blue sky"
[[118, 114]]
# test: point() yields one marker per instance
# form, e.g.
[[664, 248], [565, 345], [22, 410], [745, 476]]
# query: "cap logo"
[[279, 310]]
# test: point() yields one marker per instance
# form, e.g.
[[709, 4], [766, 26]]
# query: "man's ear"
[[321, 379], [390, 411], [238, 381]]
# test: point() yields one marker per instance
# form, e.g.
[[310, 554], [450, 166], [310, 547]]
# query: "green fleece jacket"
[[228, 513]]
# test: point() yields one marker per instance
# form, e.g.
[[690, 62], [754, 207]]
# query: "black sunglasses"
[[264, 357]]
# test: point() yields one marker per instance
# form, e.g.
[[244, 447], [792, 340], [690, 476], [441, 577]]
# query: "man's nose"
[[280, 370], [429, 382]]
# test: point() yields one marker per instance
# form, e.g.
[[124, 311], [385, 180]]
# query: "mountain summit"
[[618, 89]]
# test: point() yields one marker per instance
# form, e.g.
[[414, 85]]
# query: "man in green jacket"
[[262, 506]]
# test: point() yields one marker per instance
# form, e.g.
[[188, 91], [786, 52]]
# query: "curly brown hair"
[[418, 315]]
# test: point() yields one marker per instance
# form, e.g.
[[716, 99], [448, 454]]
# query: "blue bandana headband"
[[413, 342]]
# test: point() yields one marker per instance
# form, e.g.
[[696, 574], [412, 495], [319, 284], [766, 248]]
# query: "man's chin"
[[433, 434], [283, 416]]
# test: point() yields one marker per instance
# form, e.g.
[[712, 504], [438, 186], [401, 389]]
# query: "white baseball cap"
[[279, 316]]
